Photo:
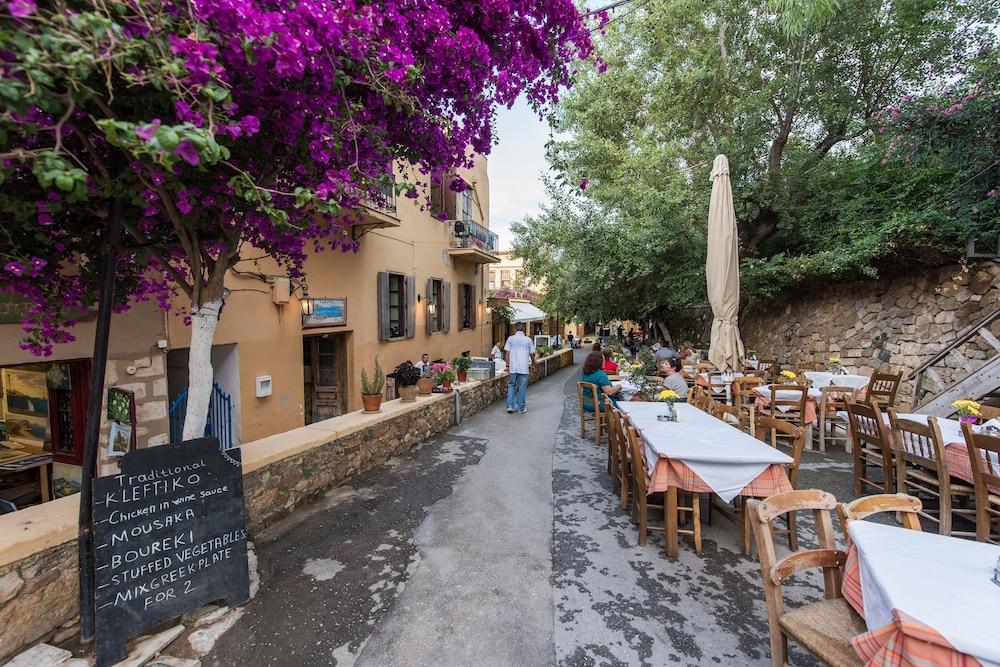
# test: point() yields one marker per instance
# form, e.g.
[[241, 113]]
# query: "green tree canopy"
[[859, 144]]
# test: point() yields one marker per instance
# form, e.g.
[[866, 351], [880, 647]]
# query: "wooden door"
[[329, 370]]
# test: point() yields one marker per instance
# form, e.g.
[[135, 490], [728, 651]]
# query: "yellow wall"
[[269, 336]]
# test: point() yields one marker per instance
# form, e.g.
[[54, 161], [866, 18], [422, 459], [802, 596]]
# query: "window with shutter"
[[411, 306], [430, 309], [445, 309], [383, 305]]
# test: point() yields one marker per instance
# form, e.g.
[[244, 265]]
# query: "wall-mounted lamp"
[[306, 302]]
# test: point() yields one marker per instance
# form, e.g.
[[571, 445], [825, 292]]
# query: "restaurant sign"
[[170, 536]]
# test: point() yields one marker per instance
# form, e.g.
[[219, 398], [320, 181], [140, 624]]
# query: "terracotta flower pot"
[[408, 394], [463, 376], [446, 384], [424, 386], [372, 403]]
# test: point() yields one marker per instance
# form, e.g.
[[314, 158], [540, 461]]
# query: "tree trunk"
[[204, 319], [758, 230]]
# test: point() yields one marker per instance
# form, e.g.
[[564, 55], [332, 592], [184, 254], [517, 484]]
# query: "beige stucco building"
[[416, 284]]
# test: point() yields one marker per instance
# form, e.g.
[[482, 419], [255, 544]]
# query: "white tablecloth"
[[764, 391], [628, 389], [942, 582], [704, 376], [824, 379], [726, 458]]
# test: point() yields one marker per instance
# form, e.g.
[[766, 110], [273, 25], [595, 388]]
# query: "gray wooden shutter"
[[473, 304], [383, 306], [411, 306], [445, 307], [429, 299]]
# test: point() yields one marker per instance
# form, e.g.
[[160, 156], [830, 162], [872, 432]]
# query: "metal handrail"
[[964, 337]]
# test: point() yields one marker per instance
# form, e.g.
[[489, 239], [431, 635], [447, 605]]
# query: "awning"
[[526, 312]]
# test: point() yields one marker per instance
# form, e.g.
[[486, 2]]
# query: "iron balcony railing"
[[470, 234], [383, 199]]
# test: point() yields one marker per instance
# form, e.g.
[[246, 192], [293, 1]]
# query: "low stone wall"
[[895, 324], [39, 598]]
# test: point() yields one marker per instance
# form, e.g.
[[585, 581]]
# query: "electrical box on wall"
[[263, 386], [281, 290]]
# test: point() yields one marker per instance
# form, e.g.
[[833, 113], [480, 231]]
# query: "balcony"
[[377, 211], [471, 242]]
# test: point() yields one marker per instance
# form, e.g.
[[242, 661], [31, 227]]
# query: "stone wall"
[[39, 599], [894, 324], [146, 378]]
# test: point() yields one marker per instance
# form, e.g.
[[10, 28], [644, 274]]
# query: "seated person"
[[592, 373], [609, 365], [675, 379]]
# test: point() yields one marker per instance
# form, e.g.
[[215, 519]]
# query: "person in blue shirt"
[[593, 373]]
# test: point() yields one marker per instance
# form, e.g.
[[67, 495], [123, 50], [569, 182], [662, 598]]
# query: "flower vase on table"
[[836, 367], [968, 410], [668, 397]]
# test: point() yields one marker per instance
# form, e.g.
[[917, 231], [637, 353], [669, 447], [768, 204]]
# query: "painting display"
[[120, 439], [327, 313], [121, 414], [66, 479], [26, 393]]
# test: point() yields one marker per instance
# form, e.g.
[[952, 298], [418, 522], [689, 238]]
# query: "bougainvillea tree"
[[221, 125]]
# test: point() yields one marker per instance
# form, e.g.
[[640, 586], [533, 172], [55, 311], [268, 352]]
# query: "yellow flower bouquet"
[[968, 410], [788, 375], [667, 396]]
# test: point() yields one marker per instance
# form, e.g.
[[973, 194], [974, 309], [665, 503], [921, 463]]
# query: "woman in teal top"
[[593, 373]]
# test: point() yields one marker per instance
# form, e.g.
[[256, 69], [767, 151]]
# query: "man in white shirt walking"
[[520, 361]]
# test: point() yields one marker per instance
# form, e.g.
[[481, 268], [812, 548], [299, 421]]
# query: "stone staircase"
[[976, 379]]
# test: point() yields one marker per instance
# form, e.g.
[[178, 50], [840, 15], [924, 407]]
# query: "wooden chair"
[[984, 457], [907, 508], [588, 391], [742, 388], [871, 447], [641, 502], [922, 467], [989, 412], [732, 415], [803, 366], [717, 387], [825, 628], [698, 397], [768, 366], [796, 437], [795, 403], [831, 401], [882, 388], [621, 467]]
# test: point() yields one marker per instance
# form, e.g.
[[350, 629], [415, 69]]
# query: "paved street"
[[499, 543]]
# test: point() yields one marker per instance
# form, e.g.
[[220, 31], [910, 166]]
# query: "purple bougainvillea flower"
[[584, 183], [187, 152], [148, 132], [14, 267], [21, 9]]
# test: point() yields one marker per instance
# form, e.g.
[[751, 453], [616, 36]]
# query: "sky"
[[515, 169]]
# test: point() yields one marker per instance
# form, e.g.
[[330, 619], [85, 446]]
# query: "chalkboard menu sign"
[[169, 536]]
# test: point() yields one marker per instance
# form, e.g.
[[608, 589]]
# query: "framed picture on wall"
[[26, 392], [327, 313], [121, 414]]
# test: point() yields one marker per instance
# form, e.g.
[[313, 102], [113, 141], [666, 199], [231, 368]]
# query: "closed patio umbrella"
[[722, 270]]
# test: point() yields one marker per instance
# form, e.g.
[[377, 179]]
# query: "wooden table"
[[28, 461], [702, 454]]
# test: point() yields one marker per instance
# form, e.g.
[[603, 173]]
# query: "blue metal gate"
[[220, 416]]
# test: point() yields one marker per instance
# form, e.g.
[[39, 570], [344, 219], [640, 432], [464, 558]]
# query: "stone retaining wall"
[[39, 598], [895, 324]]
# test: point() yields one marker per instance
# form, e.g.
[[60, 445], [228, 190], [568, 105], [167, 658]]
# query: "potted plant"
[[462, 366], [407, 376], [371, 389], [444, 375], [425, 385], [968, 410]]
